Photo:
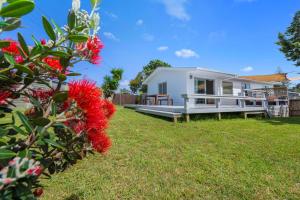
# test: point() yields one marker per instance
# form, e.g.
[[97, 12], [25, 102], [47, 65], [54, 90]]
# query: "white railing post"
[[218, 103], [243, 103], [186, 102]]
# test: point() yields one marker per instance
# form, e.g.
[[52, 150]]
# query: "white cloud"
[[111, 36], [112, 15], [139, 22], [247, 69], [162, 48], [176, 8], [124, 84], [148, 37], [186, 53]]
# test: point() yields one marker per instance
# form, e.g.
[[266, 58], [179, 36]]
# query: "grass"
[[152, 158]]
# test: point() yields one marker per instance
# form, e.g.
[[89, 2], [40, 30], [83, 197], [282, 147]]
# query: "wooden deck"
[[176, 112]]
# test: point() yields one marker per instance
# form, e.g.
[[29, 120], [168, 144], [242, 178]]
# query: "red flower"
[[84, 92], [42, 94], [91, 49], [77, 125], [94, 45], [108, 108], [8, 181], [54, 63], [95, 111], [38, 192], [43, 42], [3, 96], [12, 48], [100, 141], [19, 59], [35, 171]]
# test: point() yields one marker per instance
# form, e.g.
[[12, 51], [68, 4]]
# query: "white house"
[[176, 82]]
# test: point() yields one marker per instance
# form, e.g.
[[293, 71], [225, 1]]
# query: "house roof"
[[185, 69], [280, 77], [266, 79]]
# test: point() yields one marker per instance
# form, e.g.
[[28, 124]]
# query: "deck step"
[[255, 113], [160, 113]]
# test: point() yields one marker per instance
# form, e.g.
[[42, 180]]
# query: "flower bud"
[[76, 5]]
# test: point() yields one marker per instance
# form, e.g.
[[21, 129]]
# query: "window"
[[199, 101], [204, 86], [227, 88], [246, 86], [200, 86], [162, 88]]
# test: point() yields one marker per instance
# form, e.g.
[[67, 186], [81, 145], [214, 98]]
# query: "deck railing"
[[236, 101]]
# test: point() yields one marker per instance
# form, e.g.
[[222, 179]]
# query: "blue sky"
[[235, 36]]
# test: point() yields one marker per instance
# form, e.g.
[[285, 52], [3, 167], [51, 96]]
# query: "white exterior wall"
[[176, 84], [182, 82]]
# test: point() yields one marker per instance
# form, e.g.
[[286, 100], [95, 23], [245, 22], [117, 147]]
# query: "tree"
[[111, 83], [124, 91], [152, 65], [136, 83], [63, 124], [290, 40]]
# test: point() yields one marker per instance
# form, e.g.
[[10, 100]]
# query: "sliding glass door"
[[204, 86]]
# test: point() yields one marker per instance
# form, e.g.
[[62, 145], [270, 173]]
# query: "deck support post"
[[175, 119], [219, 116], [245, 115], [187, 117]]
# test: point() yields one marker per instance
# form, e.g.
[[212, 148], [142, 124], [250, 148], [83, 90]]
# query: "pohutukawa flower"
[[54, 63], [35, 171], [91, 49], [3, 96], [12, 48], [100, 141], [38, 192], [95, 111]]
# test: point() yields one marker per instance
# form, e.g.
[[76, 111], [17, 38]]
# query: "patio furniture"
[[157, 99]]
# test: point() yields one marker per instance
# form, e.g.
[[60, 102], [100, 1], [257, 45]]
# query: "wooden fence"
[[121, 99], [294, 107]]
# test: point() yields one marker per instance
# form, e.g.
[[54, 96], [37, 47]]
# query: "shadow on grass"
[[73, 197], [283, 121]]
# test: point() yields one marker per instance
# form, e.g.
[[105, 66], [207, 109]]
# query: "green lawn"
[[153, 158]]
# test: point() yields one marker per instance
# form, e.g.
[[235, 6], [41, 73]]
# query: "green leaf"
[[62, 77], [71, 19], [78, 38], [19, 130], [11, 24], [53, 143], [73, 74], [23, 69], [41, 121], [58, 54], [53, 109], [95, 2], [23, 44], [24, 121], [57, 27], [17, 8], [60, 97], [5, 70], [49, 29], [4, 43], [9, 58], [6, 154]]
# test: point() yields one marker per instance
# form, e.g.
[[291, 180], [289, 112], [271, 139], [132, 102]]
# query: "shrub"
[[66, 120]]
